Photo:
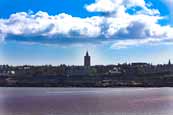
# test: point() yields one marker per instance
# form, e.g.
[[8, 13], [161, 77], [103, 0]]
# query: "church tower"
[[169, 62], [87, 62]]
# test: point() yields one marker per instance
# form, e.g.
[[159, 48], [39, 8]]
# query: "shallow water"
[[86, 101]]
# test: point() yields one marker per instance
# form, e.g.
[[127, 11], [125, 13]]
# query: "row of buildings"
[[87, 69]]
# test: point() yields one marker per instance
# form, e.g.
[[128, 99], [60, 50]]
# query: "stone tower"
[[87, 60]]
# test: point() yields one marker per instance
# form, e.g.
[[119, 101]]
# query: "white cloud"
[[43, 24], [103, 6], [131, 29], [136, 42], [159, 35], [116, 5]]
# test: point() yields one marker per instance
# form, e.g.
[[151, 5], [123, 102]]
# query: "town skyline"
[[87, 62], [121, 75]]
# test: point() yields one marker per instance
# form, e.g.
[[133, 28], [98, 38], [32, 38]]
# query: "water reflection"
[[86, 101]]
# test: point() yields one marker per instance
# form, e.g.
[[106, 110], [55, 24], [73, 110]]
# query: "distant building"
[[87, 60], [169, 62], [140, 64], [115, 70]]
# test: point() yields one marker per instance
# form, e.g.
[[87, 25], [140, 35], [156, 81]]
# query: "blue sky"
[[61, 31]]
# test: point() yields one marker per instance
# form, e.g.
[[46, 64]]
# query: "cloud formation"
[[128, 23]]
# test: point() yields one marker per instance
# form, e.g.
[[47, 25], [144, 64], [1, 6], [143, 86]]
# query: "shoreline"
[[84, 87]]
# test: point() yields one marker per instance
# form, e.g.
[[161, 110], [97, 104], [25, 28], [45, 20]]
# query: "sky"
[[38, 32]]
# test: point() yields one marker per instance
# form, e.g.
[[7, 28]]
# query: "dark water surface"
[[86, 101]]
